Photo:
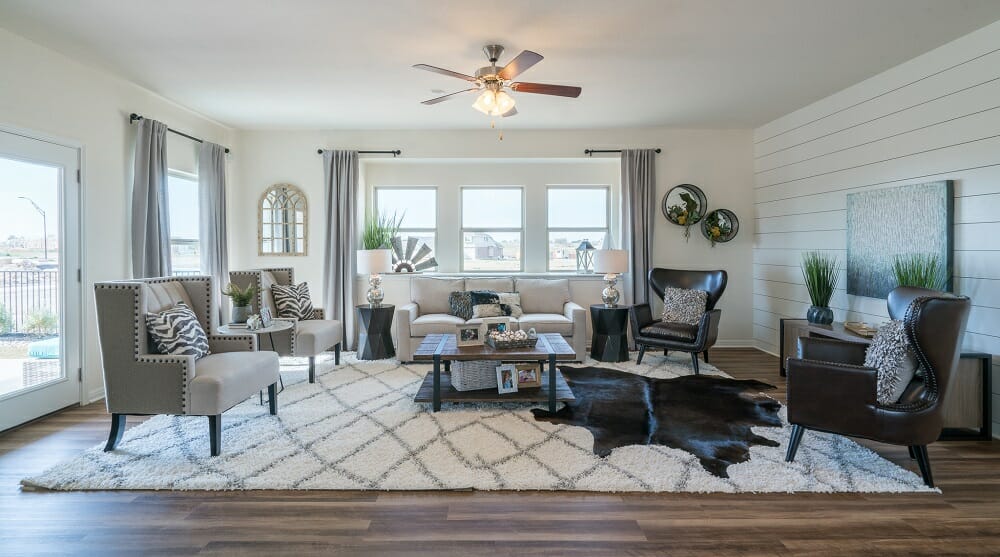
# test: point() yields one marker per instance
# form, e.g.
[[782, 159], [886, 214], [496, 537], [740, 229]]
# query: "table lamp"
[[611, 262], [372, 262]]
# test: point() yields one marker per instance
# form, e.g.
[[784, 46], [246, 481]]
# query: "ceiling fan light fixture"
[[494, 103], [504, 103]]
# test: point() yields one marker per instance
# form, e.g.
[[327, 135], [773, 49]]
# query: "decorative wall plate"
[[721, 225], [684, 205], [411, 255]]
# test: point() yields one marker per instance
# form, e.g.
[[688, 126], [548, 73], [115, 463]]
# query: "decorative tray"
[[510, 344], [860, 328]]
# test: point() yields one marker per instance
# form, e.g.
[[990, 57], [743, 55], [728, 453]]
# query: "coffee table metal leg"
[[552, 383], [437, 382]]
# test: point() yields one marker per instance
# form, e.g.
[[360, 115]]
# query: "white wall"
[[719, 161], [53, 95], [936, 117]]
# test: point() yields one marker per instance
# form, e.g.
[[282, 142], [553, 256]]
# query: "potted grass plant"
[[375, 257], [242, 299], [923, 270], [819, 271]]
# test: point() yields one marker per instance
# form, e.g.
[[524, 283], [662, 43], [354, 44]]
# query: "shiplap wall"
[[936, 117]]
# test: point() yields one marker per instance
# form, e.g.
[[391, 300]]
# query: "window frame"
[[191, 177], [462, 230], [402, 231], [550, 229]]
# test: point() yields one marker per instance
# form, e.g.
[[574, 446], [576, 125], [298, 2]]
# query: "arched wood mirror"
[[281, 227]]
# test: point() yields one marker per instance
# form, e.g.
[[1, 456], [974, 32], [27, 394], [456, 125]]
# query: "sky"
[[38, 182]]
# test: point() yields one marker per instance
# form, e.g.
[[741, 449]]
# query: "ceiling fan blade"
[[509, 113], [443, 71], [546, 89], [446, 97], [515, 67]]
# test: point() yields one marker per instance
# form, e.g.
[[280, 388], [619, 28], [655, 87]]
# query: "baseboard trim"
[[735, 343], [95, 395]]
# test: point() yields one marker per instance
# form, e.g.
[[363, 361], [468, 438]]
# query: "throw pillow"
[[293, 301], [891, 354], [460, 304], [176, 331], [681, 305], [510, 304], [485, 303]]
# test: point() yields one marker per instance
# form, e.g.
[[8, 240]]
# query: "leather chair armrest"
[[640, 315], [832, 396], [831, 350], [318, 313], [232, 343], [708, 329]]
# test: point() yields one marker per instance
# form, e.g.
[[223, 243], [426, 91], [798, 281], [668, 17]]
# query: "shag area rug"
[[358, 428]]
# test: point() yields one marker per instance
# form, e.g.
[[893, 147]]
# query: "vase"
[[819, 315], [239, 314]]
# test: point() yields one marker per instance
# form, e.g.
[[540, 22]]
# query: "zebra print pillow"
[[176, 331], [293, 301]]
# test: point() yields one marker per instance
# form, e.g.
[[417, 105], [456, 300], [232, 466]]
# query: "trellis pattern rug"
[[358, 428]]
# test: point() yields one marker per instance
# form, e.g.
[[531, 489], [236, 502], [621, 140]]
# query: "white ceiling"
[[346, 64]]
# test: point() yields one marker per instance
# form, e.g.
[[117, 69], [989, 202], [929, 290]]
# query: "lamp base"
[[610, 294], [375, 294]]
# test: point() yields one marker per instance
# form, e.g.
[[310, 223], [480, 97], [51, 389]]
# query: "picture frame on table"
[[528, 376], [265, 317], [506, 378], [470, 335], [498, 324]]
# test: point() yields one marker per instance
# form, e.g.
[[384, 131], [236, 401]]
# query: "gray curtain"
[[212, 218], [638, 210], [340, 176], [150, 223]]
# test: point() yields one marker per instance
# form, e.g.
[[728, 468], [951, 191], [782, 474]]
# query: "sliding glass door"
[[39, 278]]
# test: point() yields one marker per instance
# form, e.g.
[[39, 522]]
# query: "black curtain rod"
[[394, 152], [135, 117], [590, 152]]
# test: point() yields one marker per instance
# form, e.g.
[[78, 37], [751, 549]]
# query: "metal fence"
[[29, 301]]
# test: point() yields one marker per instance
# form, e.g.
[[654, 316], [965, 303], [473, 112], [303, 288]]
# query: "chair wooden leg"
[[336, 354], [694, 362], [272, 398], [642, 350], [793, 442], [215, 434], [705, 353], [913, 455], [117, 430], [666, 352], [312, 369], [924, 462]]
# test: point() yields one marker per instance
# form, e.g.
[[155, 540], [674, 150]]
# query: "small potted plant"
[[376, 255], [819, 271], [923, 270], [242, 299]]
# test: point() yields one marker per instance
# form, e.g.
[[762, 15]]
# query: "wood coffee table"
[[440, 348]]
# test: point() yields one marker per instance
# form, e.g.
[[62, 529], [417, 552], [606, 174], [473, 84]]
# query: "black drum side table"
[[375, 332], [610, 340]]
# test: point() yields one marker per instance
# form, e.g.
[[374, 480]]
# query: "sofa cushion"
[[316, 336], [222, 381], [510, 304], [496, 284], [431, 294], [460, 304], [266, 282], [485, 303], [546, 323], [435, 323], [543, 295], [671, 331], [176, 331], [293, 302]]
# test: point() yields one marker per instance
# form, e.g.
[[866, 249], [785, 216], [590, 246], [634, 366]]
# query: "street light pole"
[[45, 226]]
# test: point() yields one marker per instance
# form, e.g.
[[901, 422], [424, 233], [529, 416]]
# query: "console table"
[[967, 404]]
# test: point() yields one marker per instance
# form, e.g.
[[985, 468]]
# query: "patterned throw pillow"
[[176, 331], [485, 303], [681, 305], [891, 354], [460, 304], [293, 301], [510, 304]]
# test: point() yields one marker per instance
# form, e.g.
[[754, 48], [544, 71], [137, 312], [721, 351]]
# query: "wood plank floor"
[[965, 519]]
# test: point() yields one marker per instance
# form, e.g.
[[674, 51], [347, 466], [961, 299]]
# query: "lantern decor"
[[585, 257]]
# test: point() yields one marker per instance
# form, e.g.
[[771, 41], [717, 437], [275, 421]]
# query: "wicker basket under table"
[[474, 375]]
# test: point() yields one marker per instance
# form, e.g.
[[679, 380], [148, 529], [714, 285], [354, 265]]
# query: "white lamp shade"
[[372, 261], [611, 261]]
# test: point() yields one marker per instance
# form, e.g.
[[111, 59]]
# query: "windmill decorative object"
[[411, 258]]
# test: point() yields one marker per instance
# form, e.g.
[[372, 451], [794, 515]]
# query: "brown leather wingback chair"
[[651, 332], [829, 389]]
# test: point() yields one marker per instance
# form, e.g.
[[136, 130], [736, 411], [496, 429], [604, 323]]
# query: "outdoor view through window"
[[185, 250]]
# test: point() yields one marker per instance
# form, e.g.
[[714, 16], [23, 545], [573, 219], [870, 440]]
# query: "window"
[[417, 205], [575, 214], [185, 246], [492, 228]]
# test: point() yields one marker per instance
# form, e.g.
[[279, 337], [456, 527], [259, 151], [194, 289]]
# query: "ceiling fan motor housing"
[[493, 52]]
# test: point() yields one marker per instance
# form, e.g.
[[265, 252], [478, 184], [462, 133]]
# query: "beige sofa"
[[545, 302]]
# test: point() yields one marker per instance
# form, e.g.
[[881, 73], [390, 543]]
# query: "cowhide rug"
[[709, 417]]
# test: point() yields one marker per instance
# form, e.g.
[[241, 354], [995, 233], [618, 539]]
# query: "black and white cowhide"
[[709, 417]]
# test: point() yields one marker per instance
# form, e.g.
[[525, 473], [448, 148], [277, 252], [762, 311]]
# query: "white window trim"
[[462, 230], [550, 229]]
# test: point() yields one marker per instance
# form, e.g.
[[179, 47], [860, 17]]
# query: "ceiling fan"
[[492, 83]]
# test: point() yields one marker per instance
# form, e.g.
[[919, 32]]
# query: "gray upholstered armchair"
[[139, 381], [309, 338]]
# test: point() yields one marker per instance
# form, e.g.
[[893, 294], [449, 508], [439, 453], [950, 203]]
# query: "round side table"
[[375, 332], [274, 327], [610, 340]]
